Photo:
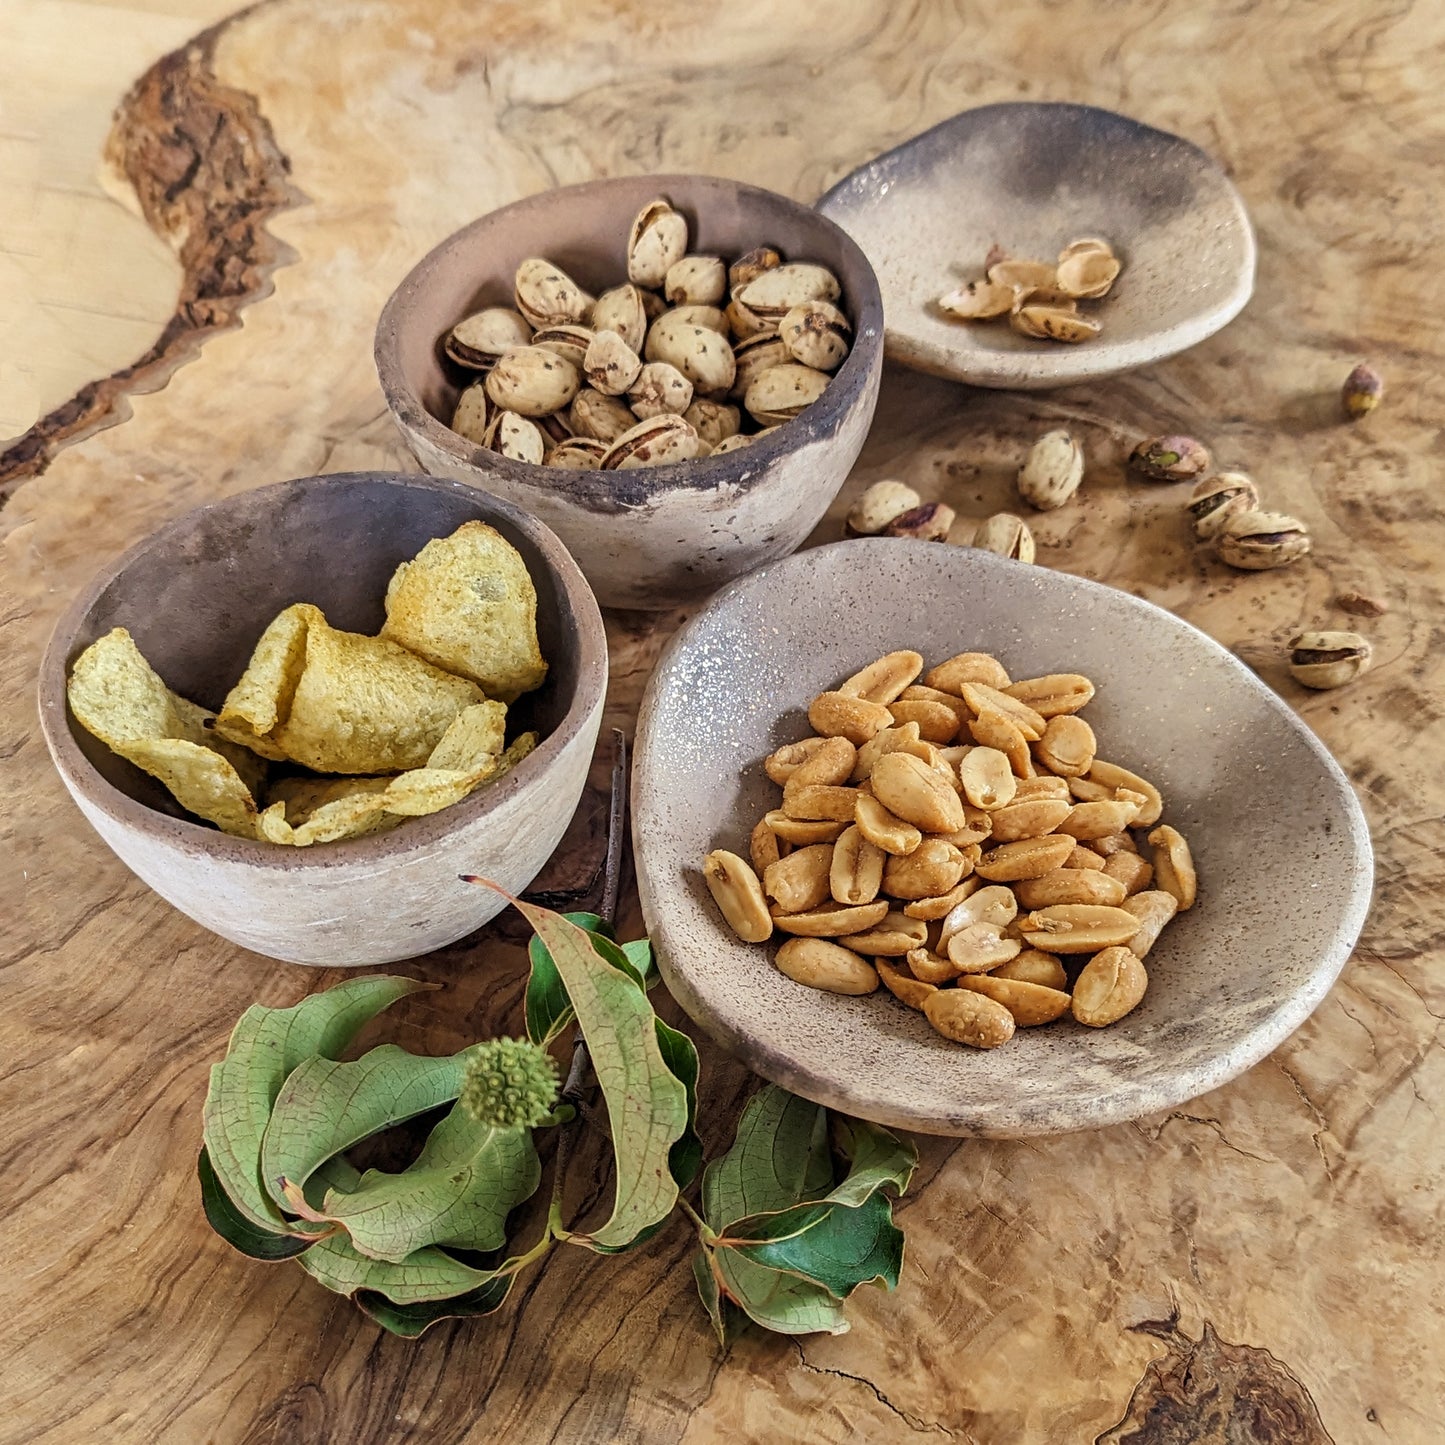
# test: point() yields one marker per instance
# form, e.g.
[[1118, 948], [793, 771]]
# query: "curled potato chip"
[[116, 695], [467, 603], [476, 732], [356, 704]]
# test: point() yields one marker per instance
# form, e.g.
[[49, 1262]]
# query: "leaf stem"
[[697, 1219]]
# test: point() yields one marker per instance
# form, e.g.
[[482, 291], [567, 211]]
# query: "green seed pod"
[[510, 1083]]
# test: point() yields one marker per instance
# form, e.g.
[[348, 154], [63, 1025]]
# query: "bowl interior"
[[1031, 177], [1280, 843], [584, 229], [197, 594]]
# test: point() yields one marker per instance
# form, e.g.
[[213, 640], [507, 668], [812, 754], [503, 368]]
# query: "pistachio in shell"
[[1361, 393], [568, 341], [472, 414], [698, 315], [745, 324], [696, 281], [701, 354], [1216, 499], [713, 421], [1259, 541], [517, 437], [578, 454], [656, 243], [532, 381], [660, 389], [781, 392], [476, 341], [1170, 459], [776, 291], [604, 418], [621, 309], [652, 443], [1006, 535], [754, 356], [1328, 659], [817, 334], [547, 296], [611, 365], [750, 266]]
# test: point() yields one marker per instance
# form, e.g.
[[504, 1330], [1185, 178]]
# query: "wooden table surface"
[[1261, 1265]]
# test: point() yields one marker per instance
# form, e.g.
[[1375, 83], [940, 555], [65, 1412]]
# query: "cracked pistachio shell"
[[1087, 273], [1052, 471], [1053, 323], [754, 356], [652, 443], [517, 437], [547, 296], [1215, 500], [604, 418], [700, 353], [734, 443], [578, 454], [660, 389], [776, 291], [1015, 271], [568, 341], [713, 421], [472, 414], [1085, 243], [1328, 659], [817, 334], [1258, 541], [781, 392], [1006, 535], [977, 301], [611, 364], [1170, 459], [745, 324], [696, 281], [750, 266], [656, 243], [533, 381], [477, 340], [621, 310]]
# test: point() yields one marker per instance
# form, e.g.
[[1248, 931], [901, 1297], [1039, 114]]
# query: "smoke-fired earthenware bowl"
[[1281, 844]]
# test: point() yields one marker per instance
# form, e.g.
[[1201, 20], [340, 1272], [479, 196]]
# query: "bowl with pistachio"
[[674, 373], [966, 846]]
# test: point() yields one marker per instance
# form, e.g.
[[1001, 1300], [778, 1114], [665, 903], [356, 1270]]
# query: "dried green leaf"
[[779, 1158], [236, 1229], [265, 1046], [429, 1274], [679, 1053], [411, 1320], [548, 1008]]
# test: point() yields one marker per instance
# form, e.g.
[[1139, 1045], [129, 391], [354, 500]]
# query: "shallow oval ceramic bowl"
[[196, 595], [1031, 177], [1281, 846], [650, 537]]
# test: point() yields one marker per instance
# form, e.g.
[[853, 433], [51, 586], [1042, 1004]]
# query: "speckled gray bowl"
[[197, 594], [650, 537], [1281, 845], [1031, 176]]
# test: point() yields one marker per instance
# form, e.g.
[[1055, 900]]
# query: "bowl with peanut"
[[965, 846]]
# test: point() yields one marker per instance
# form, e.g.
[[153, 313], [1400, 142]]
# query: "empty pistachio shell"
[[1053, 323], [696, 281], [699, 315], [878, 506], [1257, 541], [611, 364], [1328, 659], [701, 354], [927, 522], [478, 340], [754, 356], [660, 388], [621, 310], [978, 301], [776, 291], [472, 414], [516, 437], [751, 265], [547, 296], [817, 334], [781, 392], [658, 241], [734, 443], [1170, 459], [1021, 273], [569, 341], [1215, 500], [1007, 535], [746, 324], [578, 454], [713, 421], [532, 381], [1087, 273], [602, 417], [1085, 243], [652, 443], [1052, 471], [1362, 391]]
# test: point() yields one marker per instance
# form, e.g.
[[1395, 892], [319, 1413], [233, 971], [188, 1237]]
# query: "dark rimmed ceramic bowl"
[[1279, 838], [651, 537], [197, 594]]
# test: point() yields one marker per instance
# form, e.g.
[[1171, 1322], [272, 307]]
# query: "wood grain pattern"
[[1286, 1228]]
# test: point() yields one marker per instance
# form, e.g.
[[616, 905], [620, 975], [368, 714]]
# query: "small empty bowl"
[[1279, 839], [1031, 177], [648, 537], [196, 596]]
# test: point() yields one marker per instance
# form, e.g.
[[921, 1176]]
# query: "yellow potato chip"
[[303, 794], [203, 782], [467, 603], [477, 732], [359, 704], [429, 790]]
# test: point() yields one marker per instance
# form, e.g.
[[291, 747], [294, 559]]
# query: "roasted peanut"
[[737, 892], [996, 905], [1111, 983], [765, 847], [782, 764], [890, 740], [901, 983], [1078, 927], [817, 963], [1029, 790], [1029, 1003], [1056, 695], [992, 729], [911, 790], [950, 676], [1067, 746], [988, 780], [1131, 870], [1088, 791], [830, 765], [935, 723], [893, 937], [1029, 819], [1173, 865], [969, 1018], [799, 831], [884, 679], [1112, 843], [1089, 820], [931, 869], [930, 967], [832, 921], [1084, 857], [819, 802], [981, 947], [1070, 885], [1153, 910], [1028, 858], [856, 871], [944, 903], [1033, 965], [800, 880], [976, 828], [1111, 775], [836, 715], [979, 695]]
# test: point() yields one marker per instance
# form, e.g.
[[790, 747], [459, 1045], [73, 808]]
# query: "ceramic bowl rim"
[[416, 835]]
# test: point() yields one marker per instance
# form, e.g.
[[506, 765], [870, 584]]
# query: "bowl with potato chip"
[[675, 373], [1003, 852], [301, 712]]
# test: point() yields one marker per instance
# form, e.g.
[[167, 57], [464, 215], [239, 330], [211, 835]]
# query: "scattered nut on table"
[[878, 506], [1328, 659], [1362, 392], [689, 357], [1257, 541], [1216, 499], [1170, 459], [1007, 535], [1052, 471], [972, 881]]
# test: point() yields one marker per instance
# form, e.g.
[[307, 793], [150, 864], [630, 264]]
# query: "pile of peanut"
[[959, 842]]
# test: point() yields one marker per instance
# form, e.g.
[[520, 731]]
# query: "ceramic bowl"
[[1279, 839], [1031, 177], [648, 537], [196, 596]]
